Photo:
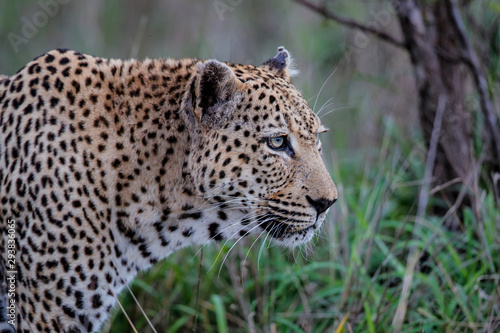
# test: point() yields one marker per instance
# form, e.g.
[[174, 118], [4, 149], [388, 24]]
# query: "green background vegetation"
[[350, 278]]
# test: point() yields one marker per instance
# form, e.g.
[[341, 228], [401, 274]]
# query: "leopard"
[[108, 166]]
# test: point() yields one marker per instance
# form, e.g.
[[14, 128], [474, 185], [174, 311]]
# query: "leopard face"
[[108, 166], [258, 150]]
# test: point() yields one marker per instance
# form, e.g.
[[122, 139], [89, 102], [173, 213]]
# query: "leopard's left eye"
[[278, 142]]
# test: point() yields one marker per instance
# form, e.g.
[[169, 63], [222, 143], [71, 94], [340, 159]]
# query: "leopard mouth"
[[280, 227]]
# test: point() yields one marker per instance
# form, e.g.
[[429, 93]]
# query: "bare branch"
[[322, 10], [423, 199], [423, 196], [479, 79]]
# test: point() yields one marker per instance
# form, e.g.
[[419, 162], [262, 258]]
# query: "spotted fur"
[[108, 166]]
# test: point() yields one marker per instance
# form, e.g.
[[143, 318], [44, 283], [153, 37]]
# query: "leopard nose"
[[321, 205]]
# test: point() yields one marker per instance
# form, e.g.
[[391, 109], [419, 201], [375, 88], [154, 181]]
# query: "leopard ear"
[[212, 92], [281, 65]]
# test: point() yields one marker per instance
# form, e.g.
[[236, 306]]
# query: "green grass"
[[350, 278]]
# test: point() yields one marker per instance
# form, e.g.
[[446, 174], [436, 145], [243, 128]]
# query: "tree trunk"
[[439, 76]]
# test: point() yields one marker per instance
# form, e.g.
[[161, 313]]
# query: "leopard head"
[[256, 150]]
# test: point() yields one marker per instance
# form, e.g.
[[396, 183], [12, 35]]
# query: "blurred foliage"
[[350, 279]]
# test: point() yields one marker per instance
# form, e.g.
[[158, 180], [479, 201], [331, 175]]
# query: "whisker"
[[140, 308], [324, 83], [228, 227], [326, 104], [261, 247], [253, 243], [229, 251], [229, 238], [274, 230], [336, 109]]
